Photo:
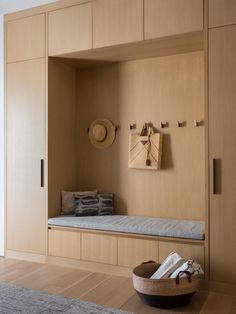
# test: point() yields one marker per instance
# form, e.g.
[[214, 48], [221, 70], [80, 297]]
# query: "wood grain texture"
[[61, 133], [70, 29], [159, 89], [117, 22], [26, 38], [222, 12], [99, 248], [64, 243], [222, 110], [170, 17], [187, 251], [26, 199], [132, 252]]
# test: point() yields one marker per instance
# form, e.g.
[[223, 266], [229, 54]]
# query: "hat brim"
[[110, 135]]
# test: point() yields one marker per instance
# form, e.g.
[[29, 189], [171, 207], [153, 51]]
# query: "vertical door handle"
[[214, 176], [42, 173]]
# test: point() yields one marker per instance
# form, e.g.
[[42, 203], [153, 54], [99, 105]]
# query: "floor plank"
[[113, 292], [218, 304]]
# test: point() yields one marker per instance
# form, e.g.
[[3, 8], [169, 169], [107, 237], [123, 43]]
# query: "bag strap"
[[183, 272]]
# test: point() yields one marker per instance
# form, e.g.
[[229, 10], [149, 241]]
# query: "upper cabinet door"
[[70, 29], [117, 22], [25, 38], [171, 17], [222, 12]]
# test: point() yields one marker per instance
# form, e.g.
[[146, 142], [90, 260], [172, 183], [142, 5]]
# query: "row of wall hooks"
[[166, 124]]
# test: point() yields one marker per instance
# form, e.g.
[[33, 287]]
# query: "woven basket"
[[163, 293]]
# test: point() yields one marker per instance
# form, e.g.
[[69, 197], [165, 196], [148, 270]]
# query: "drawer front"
[[70, 29], [25, 38], [99, 248], [187, 251], [64, 243], [132, 252]]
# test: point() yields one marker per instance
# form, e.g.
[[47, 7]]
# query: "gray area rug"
[[14, 299]]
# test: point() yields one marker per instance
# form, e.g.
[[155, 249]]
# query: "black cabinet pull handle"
[[214, 176], [42, 172]]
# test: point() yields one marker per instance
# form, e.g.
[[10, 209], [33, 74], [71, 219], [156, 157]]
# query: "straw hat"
[[102, 133]]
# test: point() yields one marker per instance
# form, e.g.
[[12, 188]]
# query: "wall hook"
[[196, 123], [132, 126], [181, 124], [164, 125]]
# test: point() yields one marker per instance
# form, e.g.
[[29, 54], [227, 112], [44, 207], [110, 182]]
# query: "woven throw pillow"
[[68, 200], [94, 205]]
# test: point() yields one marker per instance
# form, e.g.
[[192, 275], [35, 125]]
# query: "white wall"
[[7, 6]]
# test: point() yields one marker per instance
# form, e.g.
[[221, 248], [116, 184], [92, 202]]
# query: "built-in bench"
[[124, 241], [188, 229]]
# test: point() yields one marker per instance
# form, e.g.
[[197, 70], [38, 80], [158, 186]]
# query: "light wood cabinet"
[[26, 199], [222, 113], [117, 22], [64, 243], [70, 29], [132, 252], [185, 250], [171, 17], [99, 248], [25, 38], [222, 12]]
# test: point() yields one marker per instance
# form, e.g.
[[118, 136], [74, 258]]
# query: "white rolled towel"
[[190, 266], [169, 265]]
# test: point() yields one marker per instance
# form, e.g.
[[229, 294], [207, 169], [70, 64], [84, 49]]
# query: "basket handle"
[[148, 262], [184, 272]]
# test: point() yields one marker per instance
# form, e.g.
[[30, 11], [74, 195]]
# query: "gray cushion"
[[68, 200], [189, 229], [92, 205]]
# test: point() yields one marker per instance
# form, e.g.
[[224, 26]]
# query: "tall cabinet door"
[[26, 201], [222, 113]]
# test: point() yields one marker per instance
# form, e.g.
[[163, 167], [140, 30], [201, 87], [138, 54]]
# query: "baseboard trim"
[[31, 257], [90, 266]]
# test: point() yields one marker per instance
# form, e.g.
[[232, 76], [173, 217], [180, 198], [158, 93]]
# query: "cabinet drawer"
[[117, 22], [187, 251], [222, 12], [132, 252], [25, 38], [171, 17], [64, 243], [70, 29], [99, 248]]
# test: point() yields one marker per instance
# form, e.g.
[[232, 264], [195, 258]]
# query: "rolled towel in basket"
[[170, 264], [189, 266]]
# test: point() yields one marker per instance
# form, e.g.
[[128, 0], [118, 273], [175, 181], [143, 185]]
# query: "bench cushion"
[[188, 229]]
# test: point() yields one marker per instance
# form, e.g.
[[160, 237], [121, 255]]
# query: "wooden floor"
[[107, 290]]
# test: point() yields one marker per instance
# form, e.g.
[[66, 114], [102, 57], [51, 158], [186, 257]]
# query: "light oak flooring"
[[107, 290]]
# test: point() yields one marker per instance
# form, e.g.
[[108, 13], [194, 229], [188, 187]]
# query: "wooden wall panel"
[[171, 17], [132, 252], [26, 38], [70, 29], [117, 22], [187, 251], [61, 133], [64, 243], [150, 90], [99, 248], [222, 12]]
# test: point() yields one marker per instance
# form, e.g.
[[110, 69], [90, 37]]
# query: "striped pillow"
[[94, 205]]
